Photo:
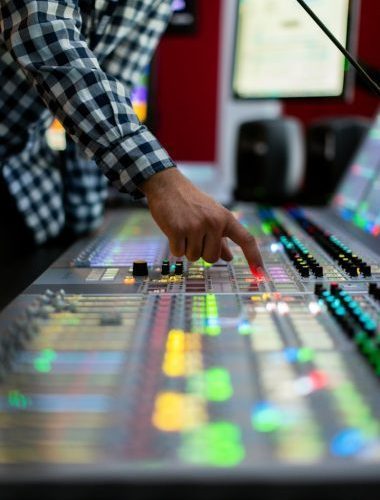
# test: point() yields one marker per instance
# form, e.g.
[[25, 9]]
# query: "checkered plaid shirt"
[[77, 60]]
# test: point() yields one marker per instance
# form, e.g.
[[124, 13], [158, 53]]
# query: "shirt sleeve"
[[45, 39]]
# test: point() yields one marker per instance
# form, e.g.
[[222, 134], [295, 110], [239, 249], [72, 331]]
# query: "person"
[[77, 60]]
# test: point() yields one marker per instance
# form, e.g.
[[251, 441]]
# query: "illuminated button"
[[169, 412], [129, 280], [140, 268], [348, 443], [266, 417], [217, 443]]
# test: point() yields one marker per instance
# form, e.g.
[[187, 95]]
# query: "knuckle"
[[215, 225], [175, 250], [215, 221], [192, 257], [178, 232], [211, 257]]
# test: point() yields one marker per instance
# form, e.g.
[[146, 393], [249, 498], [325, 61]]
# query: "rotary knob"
[[140, 268]]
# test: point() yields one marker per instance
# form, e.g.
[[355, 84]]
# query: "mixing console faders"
[[120, 355], [131, 256], [281, 376]]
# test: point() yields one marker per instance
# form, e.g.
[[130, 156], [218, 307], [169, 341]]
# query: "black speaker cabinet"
[[330, 146], [270, 160]]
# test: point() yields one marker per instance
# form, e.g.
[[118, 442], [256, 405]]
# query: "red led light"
[[257, 272], [319, 379]]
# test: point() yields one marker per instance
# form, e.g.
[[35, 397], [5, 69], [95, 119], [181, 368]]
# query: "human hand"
[[195, 224]]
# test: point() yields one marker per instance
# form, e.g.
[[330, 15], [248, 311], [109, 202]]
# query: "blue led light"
[[340, 311], [212, 321], [348, 442], [291, 354]]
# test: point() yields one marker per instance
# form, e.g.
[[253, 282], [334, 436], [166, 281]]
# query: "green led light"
[[42, 365], [73, 321], [368, 347], [266, 419], [360, 337], [218, 385], [17, 400], [213, 330], [205, 264], [43, 362], [212, 308], [210, 299], [360, 221], [245, 328], [49, 354], [266, 227], [305, 355], [217, 444]]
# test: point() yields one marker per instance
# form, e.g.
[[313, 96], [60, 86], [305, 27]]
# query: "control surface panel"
[[121, 356]]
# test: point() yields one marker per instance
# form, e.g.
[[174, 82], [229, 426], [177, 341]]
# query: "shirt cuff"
[[133, 161]]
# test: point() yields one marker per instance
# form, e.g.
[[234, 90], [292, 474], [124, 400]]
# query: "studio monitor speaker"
[[330, 146], [270, 160]]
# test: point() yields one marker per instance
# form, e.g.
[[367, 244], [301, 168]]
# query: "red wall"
[[187, 85], [187, 75]]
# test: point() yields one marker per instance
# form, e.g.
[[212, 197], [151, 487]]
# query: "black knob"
[[179, 267], [352, 270], [318, 271], [304, 271], [366, 270], [165, 268], [372, 288], [140, 268], [318, 289]]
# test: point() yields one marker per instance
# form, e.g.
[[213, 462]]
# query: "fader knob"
[[366, 270], [140, 268], [318, 271], [318, 289], [179, 268], [165, 268], [372, 288]]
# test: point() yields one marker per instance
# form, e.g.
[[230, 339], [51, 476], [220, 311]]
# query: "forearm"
[[44, 38]]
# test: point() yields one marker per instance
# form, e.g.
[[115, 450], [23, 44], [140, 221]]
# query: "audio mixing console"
[[120, 354], [121, 364]]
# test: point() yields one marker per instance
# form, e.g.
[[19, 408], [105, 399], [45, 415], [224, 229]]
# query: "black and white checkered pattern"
[[78, 61]]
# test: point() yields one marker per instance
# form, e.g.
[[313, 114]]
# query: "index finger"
[[236, 232]]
